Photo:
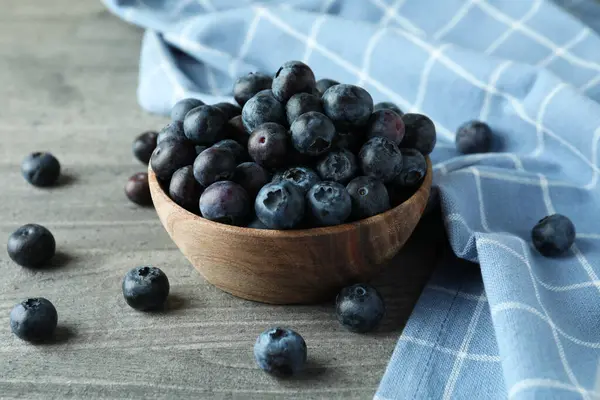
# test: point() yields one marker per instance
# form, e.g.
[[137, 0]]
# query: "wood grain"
[[294, 266], [68, 79]]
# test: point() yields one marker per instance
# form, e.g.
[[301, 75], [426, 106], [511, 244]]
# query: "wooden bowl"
[[289, 267]]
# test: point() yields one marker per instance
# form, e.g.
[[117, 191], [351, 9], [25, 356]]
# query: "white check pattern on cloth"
[[521, 325]]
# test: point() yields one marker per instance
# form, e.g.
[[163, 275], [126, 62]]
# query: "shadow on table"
[[175, 302], [60, 260], [62, 334], [402, 282], [314, 369], [66, 178]]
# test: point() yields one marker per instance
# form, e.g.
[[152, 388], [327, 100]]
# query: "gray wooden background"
[[68, 75]]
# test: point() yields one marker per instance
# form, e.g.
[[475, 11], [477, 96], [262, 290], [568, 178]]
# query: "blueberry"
[[145, 288], [312, 133], [348, 106], [329, 203], [293, 77], [34, 320], [205, 125], [269, 145], [301, 103], [182, 107], [171, 155], [359, 308], [280, 205], [230, 110], [171, 131], [369, 197], [324, 84], [351, 141], [280, 352], [386, 105], [380, 158], [338, 166], [31, 246], [137, 189], [40, 169], [419, 133], [235, 130], [386, 123], [144, 145], [225, 202], [261, 108], [301, 177], [252, 177], [414, 168], [238, 151], [473, 137], [247, 86], [184, 189], [214, 164], [553, 235], [257, 224]]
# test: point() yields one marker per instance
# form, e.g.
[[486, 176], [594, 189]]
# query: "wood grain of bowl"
[[295, 266]]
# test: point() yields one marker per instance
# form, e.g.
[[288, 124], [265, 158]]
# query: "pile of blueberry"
[[295, 153]]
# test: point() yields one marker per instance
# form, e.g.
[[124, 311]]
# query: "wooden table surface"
[[68, 75]]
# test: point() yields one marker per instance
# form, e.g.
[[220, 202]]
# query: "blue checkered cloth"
[[522, 326]]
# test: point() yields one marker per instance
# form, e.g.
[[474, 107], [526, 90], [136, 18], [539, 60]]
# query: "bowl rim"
[[158, 194]]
